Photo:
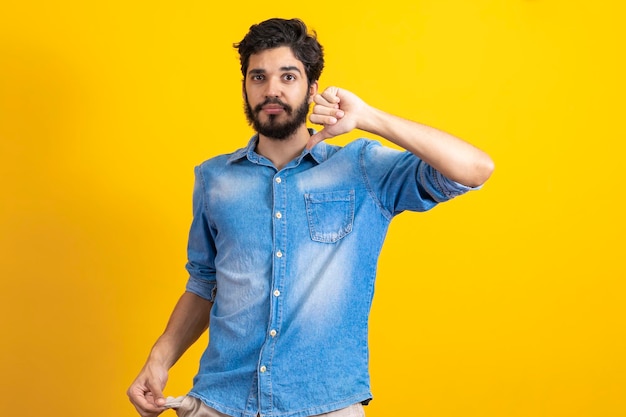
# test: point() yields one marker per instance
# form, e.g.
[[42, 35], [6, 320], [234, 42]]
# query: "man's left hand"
[[338, 111]]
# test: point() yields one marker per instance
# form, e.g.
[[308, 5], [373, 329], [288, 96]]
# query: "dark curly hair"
[[276, 32]]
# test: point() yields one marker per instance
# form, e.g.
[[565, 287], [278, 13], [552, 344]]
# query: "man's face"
[[276, 93]]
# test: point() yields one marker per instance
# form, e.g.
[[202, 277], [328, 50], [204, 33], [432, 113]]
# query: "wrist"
[[160, 356], [371, 120]]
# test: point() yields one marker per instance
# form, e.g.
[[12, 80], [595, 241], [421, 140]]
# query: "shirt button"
[[273, 333], [278, 180], [279, 215], [279, 254], [263, 368], [276, 293]]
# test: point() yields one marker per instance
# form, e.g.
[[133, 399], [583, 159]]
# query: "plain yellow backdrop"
[[506, 302]]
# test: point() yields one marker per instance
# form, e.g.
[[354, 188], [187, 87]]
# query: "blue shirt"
[[289, 259]]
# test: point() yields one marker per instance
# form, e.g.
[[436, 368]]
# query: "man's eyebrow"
[[291, 68], [256, 71]]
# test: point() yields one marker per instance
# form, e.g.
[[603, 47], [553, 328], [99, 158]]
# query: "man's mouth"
[[273, 108]]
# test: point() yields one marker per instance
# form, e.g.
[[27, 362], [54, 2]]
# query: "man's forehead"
[[276, 59]]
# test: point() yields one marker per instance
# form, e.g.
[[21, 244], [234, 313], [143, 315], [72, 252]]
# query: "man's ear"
[[313, 91]]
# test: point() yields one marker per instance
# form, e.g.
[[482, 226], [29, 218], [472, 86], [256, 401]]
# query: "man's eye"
[[289, 77], [257, 77]]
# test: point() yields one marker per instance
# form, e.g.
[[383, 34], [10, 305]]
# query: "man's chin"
[[279, 126], [277, 135]]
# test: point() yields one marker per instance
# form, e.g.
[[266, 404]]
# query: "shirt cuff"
[[202, 288], [440, 187]]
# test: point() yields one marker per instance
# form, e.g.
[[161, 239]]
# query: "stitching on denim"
[[314, 410], [422, 178], [388, 215], [312, 200]]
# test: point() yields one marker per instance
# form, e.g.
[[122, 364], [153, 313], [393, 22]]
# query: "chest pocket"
[[330, 215]]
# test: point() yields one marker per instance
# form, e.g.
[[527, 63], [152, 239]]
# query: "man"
[[285, 240]]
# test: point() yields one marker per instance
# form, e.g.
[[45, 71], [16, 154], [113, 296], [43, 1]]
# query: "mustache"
[[273, 100]]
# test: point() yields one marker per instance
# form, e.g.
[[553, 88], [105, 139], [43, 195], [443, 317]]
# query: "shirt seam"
[[205, 207], [368, 185], [311, 411]]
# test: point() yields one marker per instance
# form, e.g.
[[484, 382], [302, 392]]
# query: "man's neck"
[[283, 151]]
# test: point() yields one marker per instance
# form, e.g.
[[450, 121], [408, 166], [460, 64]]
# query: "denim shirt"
[[289, 259]]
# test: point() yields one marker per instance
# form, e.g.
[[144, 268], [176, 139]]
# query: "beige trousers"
[[192, 407]]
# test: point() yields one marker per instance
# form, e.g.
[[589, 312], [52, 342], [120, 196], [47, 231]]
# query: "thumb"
[[317, 138], [157, 393]]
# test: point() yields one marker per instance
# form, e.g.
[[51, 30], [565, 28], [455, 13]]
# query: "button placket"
[[279, 254], [279, 231]]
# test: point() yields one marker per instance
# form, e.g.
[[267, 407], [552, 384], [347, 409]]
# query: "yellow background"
[[505, 302]]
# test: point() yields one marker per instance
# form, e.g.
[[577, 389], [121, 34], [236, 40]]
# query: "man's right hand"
[[146, 392], [188, 321]]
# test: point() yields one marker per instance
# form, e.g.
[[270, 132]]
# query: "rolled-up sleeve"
[[438, 186], [402, 181], [201, 247]]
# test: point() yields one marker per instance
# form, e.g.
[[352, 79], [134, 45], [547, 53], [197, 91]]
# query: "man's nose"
[[273, 88]]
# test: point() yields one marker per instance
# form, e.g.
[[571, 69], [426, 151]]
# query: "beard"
[[274, 129]]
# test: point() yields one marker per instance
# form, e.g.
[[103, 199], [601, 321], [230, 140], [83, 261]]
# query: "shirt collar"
[[319, 153]]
